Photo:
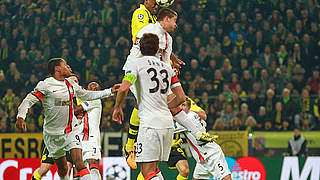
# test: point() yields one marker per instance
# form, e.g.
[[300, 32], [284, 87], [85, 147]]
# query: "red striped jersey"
[[57, 100]]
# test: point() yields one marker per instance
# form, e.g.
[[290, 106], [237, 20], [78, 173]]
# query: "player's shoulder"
[[140, 13]]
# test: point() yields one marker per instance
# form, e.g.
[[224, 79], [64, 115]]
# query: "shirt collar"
[[160, 27]]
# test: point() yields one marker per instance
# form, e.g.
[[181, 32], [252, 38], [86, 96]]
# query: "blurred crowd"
[[251, 65]]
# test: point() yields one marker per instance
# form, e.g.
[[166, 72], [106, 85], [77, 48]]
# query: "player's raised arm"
[[32, 98], [86, 95]]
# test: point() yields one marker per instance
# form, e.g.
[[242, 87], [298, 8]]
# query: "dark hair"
[[52, 64], [166, 12], [149, 44]]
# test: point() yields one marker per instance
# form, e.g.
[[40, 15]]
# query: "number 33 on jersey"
[[152, 79]]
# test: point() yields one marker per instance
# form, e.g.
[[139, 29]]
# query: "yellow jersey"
[[140, 18], [194, 107]]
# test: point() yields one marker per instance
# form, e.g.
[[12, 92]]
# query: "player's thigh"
[[148, 145], [217, 165], [201, 172], [90, 150], [55, 145], [165, 136], [73, 140], [45, 159]]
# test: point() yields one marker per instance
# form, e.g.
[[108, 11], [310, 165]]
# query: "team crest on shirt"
[[140, 16]]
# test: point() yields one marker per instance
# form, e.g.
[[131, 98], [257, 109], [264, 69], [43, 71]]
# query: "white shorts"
[[215, 167], [91, 150], [153, 144], [58, 145]]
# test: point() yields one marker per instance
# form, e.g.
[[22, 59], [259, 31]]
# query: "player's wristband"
[[177, 112]]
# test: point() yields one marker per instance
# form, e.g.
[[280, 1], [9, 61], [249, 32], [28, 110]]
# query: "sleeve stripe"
[[174, 79], [38, 94]]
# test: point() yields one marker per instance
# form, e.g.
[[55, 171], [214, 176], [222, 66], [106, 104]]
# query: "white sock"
[[86, 177], [189, 123], [95, 174], [159, 176]]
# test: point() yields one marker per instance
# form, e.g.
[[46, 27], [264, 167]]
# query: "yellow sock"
[[133, 130], [140, 176], [36, 175], [180, 177]]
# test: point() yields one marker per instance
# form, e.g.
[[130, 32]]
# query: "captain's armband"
[[129, 77]]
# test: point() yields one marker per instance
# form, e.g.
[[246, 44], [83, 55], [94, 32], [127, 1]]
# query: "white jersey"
[[165, 43], [57, 100], [91, 120], [153, 79], [199, 152]]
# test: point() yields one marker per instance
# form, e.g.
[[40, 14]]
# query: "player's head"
[[151, 5], [59, 66], [168, 19], [149, 44], [93, 86], [186, 105], [74, 78]]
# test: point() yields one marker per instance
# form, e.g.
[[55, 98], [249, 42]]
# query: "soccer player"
[[61, 131], [141, 17], [209, 156], [177, 158], [166, 23], [47, 162], [91, 133], [153, 79], [144, 15]]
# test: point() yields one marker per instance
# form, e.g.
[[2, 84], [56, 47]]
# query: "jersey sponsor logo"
[[246, 168], [140, 16]]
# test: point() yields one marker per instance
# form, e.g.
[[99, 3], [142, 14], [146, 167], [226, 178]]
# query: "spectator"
[[243, 114], [250, 124], [236, 124], [297, 146], [316, 110], [227, 115], [279, 120], [314, 82], [218, 125]]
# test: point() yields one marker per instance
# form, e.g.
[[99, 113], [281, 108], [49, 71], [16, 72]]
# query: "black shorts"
[[176, 154], [49, 160]]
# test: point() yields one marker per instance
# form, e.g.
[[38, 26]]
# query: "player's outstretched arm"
[[121, 96], [86, 95]]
